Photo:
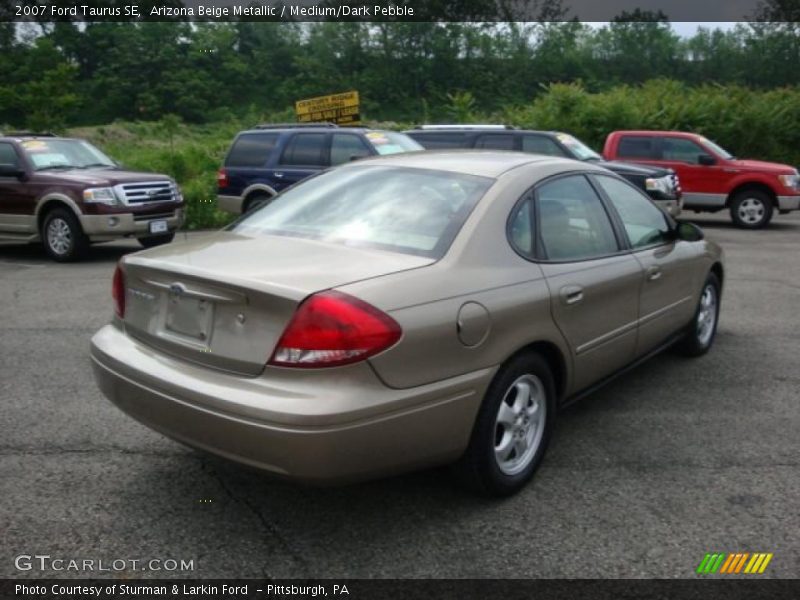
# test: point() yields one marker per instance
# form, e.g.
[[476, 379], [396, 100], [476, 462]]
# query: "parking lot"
[[673, 460]]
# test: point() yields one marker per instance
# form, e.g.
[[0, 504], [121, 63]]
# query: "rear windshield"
[[412, 211], [390, 142]]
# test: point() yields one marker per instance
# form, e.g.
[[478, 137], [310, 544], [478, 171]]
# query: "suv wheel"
[[512, 429], [703, 328], [751, 209], [256, 201], [62, 235], [156, 240]]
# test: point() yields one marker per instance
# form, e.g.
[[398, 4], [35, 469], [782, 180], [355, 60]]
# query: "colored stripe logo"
[[734, 563]]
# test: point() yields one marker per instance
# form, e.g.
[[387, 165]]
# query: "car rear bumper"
[[352, 428], [231, 204], [788, 202], [111, 226]]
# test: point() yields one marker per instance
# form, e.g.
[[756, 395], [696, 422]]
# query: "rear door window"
[[637, 147], [442, 139], [573, 223], [540, 144], [305, 149], [251, 150], [495, 142]]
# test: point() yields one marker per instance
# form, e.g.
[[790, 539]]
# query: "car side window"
[[495, 142], [251, 150], [304, 149], [631, 146], [644, 223], [540, 144], [346, 147], [444, 139], [682, 150], [521, 226], [573, 223], [8, 155]]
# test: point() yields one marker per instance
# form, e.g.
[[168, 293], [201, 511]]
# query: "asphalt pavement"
[[675, 459]]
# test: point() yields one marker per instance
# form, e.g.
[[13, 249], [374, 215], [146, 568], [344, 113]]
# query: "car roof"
[[485, 163], [289, 128], [477, 131], [653, 132], [18, 137]]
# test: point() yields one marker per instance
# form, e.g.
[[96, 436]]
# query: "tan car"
[[403, 312]]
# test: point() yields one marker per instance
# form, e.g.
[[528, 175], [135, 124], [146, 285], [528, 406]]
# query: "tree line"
[[68, 74]]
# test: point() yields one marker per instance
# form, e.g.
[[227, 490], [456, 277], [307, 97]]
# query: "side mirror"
[[8, 170], [706, 160], [689, 232]]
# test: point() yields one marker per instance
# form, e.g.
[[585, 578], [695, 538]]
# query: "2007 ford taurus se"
[[403, 312]]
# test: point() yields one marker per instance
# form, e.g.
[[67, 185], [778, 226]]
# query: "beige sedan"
[[404, 312]]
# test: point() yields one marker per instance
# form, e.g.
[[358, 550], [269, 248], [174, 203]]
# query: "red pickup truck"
[[712, 179]]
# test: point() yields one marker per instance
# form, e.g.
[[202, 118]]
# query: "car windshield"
[[412, 211], [578, 149], [716, 149], [390, 142], [64, 154]]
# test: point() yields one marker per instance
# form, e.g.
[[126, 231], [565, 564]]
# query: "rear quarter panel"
[[482, 268]]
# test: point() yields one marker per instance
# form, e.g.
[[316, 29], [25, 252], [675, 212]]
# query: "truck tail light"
[[118, 292], [222, 178], [331, 329]]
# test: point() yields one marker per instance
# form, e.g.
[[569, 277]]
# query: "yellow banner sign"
[[342, 109]]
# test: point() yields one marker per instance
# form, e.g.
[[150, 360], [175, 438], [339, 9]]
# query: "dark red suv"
[[68, 194]]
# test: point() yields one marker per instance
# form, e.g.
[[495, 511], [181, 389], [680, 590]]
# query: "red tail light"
[[118, 292], [222, 178], [331, 329]]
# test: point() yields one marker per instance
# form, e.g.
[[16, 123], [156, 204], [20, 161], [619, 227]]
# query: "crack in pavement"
[[268, 527]]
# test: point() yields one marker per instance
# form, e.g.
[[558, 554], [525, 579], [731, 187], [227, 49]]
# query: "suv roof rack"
[[468, 126], [296, 125], [29, 134]]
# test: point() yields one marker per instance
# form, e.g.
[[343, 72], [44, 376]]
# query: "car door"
[[702, 184], [303, 155], [17, 202], [594, 282], [666, 303]]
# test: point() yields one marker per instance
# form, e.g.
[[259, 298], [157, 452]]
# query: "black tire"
[[479, 468], [752, 209], [256, 201], [62, 236], [156, 240], [697, 341]]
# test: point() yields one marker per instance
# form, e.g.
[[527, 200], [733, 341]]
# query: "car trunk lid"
[[224, 300]]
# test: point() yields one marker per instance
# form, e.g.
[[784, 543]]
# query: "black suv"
[[660, 184], [264, 161]]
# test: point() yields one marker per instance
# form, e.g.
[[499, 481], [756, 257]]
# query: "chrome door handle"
[[571, 294], [653, 273], [278, 174]]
